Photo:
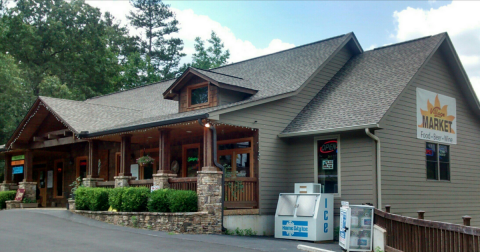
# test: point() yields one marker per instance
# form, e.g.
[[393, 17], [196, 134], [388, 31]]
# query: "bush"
[[115, 198], [6, 196], [182, 201], [93, 199], [135, 199], [158, 201]]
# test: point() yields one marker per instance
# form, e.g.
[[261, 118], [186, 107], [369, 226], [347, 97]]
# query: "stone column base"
[[122, 181], [6, 186], [30, 190], [12, 204], [209, 191], [161, 179], [71, 205], [91, 182]]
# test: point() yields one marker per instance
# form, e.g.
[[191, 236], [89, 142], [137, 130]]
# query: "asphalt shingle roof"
[[365, 88], [227, 79]]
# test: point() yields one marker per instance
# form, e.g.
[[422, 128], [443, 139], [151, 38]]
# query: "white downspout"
[[379, 168]]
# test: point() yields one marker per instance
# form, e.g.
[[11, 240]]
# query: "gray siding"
[[270, 119], [357, 166], [404, 183], [226, 96]]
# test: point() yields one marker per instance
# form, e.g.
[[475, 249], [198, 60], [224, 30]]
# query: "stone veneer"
[[30, 190], [192, 223]]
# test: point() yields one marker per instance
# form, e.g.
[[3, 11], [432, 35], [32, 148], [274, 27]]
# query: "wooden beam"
[[55, 142], [125, 158], [8, 168], [53, 136], [39, 139], [164, 151], [28, 167], [92, 171]]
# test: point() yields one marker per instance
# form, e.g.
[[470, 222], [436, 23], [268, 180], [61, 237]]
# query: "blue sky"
[[254, 28]]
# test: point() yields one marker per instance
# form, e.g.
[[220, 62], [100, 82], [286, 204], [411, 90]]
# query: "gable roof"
[[365, 88]]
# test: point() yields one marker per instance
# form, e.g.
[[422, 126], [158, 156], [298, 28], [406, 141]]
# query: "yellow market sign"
[[436, 117]]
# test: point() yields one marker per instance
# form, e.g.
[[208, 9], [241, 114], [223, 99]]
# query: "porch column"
[[125, 161], [209, 186], [5, 186], [28, 184], [92, 169], [164, 173]]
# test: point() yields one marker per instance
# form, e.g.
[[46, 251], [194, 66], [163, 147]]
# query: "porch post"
[[5, 186], [209, 186], [164, 173], [92, 171], [125, 161], [28, 184]]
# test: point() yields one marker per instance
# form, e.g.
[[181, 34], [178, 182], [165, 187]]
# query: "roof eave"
[[327, 131], [84, 135]]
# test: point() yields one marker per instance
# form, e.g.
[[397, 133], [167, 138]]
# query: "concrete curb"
[[312, 249]]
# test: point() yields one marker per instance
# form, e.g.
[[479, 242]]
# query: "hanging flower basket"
[[145, 160]]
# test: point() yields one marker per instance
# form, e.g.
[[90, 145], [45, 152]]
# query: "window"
[[198, 95], [236, 156], [438, 161], [82, 167], [327, 162], [58, 179], [191, 160]]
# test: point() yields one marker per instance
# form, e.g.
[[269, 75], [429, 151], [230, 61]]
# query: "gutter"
[[85, 134], [379, 168], [331, 130]]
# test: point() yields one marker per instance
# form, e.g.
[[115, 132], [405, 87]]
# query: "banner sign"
[[17, 169], [20, 193], [19, 162], [436, 122], [19, 157]]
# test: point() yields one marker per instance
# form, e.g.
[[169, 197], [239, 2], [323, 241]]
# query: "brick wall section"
[[190, 223]]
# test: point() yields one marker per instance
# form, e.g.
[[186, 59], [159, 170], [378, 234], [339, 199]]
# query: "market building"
[[396, 125]]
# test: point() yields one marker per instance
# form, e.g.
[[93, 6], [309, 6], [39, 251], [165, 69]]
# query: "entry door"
[[42, 186]]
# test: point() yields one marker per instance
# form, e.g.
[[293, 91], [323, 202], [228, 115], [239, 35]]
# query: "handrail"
[[141, 182]]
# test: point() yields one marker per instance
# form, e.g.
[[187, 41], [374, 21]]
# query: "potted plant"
[[145, 160], [28, 203]]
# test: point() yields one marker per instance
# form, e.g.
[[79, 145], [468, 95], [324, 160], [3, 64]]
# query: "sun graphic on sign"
[[436, 117]]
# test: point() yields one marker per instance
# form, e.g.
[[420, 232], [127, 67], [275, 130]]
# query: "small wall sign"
[[20, 194], [154, 188], [18, 162], [327, 164], [19, 157], [17, 169]]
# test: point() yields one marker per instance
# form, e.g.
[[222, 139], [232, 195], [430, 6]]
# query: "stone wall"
[[191, 223]]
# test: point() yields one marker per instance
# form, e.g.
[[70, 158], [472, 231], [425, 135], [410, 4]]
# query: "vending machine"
[[306, 214], [356, 227]]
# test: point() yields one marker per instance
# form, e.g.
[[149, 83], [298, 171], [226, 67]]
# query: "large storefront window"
[[236, 157], [327, 157]]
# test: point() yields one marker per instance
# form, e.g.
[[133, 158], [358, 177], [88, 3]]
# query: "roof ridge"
[[219, 73], [408, 41], [296, 47], [84, 102], [121, 91]]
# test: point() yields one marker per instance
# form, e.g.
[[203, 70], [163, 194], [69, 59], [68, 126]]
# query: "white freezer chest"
[[304, 216]]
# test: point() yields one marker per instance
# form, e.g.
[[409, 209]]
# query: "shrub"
[[182, 201], [158, 201], [115, 198], [6, 196], [135, 199], [93, 199]]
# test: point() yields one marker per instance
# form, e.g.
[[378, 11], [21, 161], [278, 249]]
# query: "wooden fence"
[[187, 184], [148, 183], [106, 184], [417, 234]]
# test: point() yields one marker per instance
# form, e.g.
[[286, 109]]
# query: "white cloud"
[[459, 18], [193, 25], [372, 47]]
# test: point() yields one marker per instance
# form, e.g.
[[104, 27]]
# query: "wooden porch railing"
[[416, 234], [239, 192], [106, 184], [141, 183]]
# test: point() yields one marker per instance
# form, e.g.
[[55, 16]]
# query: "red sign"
[[20, 194], [329, 146]]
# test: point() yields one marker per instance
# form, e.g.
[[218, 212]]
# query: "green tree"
[[207, 58], [162, 52], [70, 41]]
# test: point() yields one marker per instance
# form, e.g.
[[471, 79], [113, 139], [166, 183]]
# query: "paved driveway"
[[60, 230]]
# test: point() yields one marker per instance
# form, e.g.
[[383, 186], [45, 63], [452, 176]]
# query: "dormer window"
[[197, 95]]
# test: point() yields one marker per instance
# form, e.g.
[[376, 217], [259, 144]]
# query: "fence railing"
[[148, 183], [417, 234], [106, 184], [187, 184]]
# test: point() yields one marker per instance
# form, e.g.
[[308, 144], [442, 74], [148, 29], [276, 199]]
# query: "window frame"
[[339, 161], [189, 94], [437, 146], [55, 178], [234, 153], [77, 161]]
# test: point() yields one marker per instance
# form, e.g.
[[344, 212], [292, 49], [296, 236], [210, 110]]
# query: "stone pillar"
[[30, 190], [28, 167], [125, 158], [209, 191], [92, 171], [161, 179], [91, 182], [122, 181]]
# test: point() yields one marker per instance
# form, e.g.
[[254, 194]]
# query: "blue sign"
[[295, 228], [17, 169]]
